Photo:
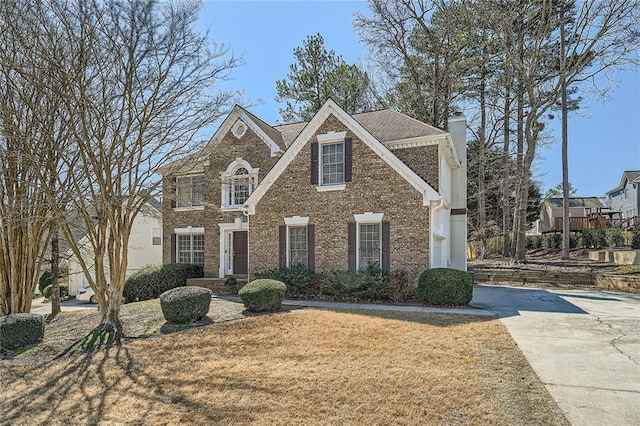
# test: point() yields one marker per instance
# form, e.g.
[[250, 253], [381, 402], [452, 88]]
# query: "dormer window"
[[238, 182]]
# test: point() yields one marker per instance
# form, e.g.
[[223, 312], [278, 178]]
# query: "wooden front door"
[[240, 252]]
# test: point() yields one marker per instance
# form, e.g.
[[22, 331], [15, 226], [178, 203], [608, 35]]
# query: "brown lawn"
[[293, 367]]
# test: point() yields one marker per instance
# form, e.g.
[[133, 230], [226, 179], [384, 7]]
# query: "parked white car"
[[86, 294]]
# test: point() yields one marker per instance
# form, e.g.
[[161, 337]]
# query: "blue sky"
[[604, 138]]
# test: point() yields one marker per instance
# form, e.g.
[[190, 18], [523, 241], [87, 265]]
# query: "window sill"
[[326, 188], [188, 209], [231, 208]]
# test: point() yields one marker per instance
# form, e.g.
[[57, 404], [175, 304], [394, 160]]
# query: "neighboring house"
[[145, 246], [339, 192], [551, 213], [625, 198]]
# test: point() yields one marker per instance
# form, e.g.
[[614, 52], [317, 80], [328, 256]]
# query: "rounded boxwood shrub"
[[20, 330], [263, 295], [444, 286], [44, 281], [185, 304], [63, 288], [153, 280]]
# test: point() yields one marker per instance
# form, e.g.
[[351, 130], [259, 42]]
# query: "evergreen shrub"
[[185, 304], [20, 330], [445, 286], [153, 280], [263, 295]]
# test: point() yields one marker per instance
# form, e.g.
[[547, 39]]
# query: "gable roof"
[[385, 125], [388, 125], [331, 108], [268, 130], [627, 176], [269, 135], [591, 202]]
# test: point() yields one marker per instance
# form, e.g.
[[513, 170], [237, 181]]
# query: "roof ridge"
[[416, 120]]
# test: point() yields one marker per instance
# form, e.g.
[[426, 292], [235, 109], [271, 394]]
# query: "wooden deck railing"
[[575, 224], [595, 222]]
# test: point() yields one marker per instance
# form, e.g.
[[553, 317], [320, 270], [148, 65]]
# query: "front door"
[[240, 252]]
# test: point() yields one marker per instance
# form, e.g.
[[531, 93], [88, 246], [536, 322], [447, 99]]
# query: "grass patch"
[[292, 367]]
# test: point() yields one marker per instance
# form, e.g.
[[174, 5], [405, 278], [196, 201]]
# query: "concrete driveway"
[[584, 346], [38, 307]]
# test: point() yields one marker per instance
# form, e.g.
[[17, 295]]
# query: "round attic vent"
[[239, 129]]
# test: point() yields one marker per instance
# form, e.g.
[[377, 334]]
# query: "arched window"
[[238, 182], [242, 187]]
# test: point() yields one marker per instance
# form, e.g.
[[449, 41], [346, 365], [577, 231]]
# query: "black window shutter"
[[173, 248], [386, 246], [314, 163], [351, 246], [348, 159], [282, 249], [172, 192], [311, 247]]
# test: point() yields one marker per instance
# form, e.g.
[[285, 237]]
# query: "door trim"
[[226, 239]]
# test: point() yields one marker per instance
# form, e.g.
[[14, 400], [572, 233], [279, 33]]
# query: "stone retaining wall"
[[628, 283]]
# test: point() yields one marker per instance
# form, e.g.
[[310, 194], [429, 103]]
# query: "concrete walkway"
[[584, 346], [375, 306]]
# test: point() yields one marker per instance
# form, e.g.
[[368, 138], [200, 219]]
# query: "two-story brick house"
[[338, 192]]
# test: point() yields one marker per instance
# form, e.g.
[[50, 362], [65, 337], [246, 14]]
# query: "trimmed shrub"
[[20, 330], [263, 295], [185, 304], [153, 280], [299, 281], [64, 291], [44, 281], [444, 286]]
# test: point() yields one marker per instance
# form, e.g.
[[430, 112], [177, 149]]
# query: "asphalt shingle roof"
[[385, 125], [592, 202]]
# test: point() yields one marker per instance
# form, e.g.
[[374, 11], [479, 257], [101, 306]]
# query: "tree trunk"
[[482, 195], [55, 279], [521, 172], [565, 142], [505, 184]]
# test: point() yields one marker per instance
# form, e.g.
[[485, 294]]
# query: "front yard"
[[292, 367]]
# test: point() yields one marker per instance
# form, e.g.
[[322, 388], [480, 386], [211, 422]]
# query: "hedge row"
[[151, 281]]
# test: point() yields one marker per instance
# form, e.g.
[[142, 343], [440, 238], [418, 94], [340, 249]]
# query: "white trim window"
[[156, 236], [238, 182], [332, 163], [297, 246], [190, 248], [369, 245], [190, 191], [368, 240]]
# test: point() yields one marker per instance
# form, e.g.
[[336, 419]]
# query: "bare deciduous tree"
[[138, 81]]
